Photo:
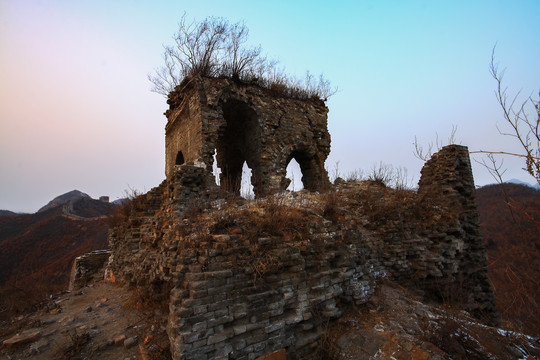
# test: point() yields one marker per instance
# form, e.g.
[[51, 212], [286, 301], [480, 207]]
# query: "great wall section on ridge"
[[247, 279]]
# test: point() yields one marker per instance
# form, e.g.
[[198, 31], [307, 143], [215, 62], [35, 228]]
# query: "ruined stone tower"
[[239, 123], [246, 280]]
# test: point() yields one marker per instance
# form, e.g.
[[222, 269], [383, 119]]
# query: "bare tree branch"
[[424, 155], [497, 153], [523, 127], [214, 47]]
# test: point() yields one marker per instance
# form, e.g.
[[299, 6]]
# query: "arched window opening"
[[246, 187], [294, 174], [179, 159]]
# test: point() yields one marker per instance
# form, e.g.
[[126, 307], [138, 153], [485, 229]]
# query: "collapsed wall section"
[[240, 299], [447, 180], [86, 267], [243, 282]]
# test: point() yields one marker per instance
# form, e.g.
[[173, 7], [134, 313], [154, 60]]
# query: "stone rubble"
[[91, 335], [27, 336]]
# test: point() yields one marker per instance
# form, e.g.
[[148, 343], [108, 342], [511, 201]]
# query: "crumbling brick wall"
[[86, 267], [239, 123], [447, 179], [240, 294]]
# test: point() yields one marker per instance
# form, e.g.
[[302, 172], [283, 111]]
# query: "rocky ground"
[[100, 321], [396, 325], [107, 321]]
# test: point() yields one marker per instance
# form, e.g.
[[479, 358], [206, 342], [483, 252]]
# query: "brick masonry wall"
[[86, 266], [238, 289], [447, 179], [244, 122]]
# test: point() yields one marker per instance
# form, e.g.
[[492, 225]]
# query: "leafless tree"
[[196, 51], [241, 61], [425, 154], [215, 47], [523, 119]]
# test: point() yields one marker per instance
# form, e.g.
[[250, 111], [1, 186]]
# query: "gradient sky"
[[76, 111]]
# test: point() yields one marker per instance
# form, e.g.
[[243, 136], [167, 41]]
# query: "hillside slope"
[[37, 250], [510, 224]]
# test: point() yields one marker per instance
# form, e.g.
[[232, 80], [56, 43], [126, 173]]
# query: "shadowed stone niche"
[[236, 123]]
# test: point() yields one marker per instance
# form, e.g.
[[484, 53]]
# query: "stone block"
[[213, 339], [25, 337]]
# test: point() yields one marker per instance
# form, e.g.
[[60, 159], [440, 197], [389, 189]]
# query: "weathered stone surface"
[[119, 340], [86, 266], [38, 347], [25, 337], [247, 281], [130, 342], [276, 355], [447, 178], [246, 123], [363, 346]]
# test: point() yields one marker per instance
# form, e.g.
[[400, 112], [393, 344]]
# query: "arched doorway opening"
[[237, 145], [246, 188], [310, 175], [294, 174]]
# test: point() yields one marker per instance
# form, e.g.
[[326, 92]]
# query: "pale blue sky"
[[76, 110]]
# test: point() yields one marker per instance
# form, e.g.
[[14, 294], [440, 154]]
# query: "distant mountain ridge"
[[520, 182], [64, 198]]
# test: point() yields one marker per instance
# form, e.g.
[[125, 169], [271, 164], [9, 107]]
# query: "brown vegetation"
[[37, 251], [132, 201], [514, 251]]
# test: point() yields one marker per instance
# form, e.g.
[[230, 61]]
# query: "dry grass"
[[133, 201], [152, 305], [328, 348], [278, 220], [400, 208], [149, 298], [261, 262], [20, 298], [332, 206]]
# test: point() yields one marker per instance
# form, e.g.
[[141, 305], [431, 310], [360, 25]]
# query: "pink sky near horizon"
[[76, 111]]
